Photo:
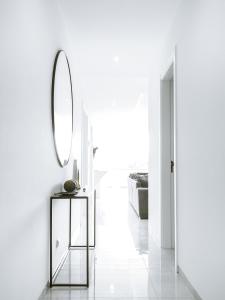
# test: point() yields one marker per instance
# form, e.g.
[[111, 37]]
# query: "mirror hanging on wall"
[[62, 108]]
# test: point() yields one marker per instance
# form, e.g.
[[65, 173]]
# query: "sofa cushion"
[[143, 180], [140, 178]]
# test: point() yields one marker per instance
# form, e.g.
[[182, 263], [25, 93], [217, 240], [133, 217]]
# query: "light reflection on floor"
[[124, 264]]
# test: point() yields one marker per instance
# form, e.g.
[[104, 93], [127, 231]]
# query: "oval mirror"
[[62, 108]]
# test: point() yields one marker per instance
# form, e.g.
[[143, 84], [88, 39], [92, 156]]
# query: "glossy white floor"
[[125, 265]]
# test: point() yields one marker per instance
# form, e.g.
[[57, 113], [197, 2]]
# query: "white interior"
[[93, 34], [198, 36]]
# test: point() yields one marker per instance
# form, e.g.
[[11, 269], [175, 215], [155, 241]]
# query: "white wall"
[[198, 32], [84, 145], [31, 32], [154, 157]]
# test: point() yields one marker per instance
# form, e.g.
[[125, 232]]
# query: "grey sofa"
[[138, 193]]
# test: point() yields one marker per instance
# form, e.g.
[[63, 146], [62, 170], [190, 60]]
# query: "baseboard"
[[190, 286], [44, 291]]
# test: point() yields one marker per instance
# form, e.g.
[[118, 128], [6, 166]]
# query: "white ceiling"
[[133, 30]]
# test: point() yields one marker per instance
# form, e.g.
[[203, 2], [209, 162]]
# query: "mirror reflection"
[[62, 108]]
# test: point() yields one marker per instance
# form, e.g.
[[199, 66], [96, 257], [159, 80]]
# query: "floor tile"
[[125, 264]]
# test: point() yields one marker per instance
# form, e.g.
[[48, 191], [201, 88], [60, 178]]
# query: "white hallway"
[[118, 50]]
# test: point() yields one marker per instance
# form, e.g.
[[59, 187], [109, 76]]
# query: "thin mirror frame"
[[60, 52]]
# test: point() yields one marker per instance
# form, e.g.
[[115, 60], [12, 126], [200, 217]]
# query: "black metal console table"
[[85, 197]]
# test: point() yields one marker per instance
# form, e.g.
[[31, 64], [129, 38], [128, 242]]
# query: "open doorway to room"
[[168, 160], [121, 135]]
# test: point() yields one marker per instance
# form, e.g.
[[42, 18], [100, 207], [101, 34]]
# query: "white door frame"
[[170, 67]]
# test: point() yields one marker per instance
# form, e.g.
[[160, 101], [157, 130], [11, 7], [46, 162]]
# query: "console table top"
[[81, 194]]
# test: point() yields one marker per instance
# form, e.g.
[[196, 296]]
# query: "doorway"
[[168, 160]]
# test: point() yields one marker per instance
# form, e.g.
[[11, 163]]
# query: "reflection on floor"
[[121, 266]]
